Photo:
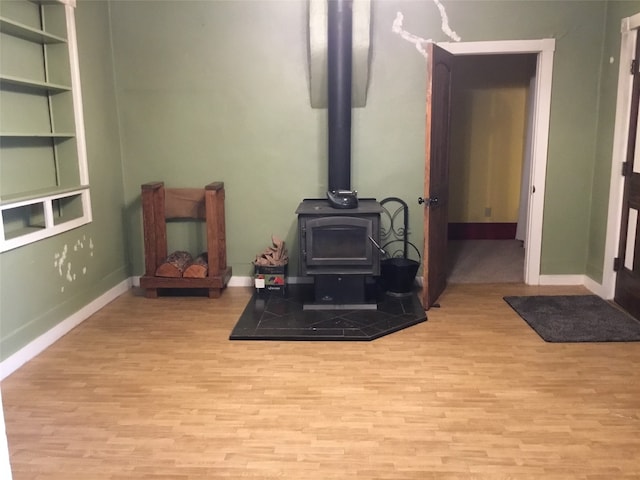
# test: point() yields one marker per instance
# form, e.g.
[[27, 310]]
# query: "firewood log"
[[273, 255], [174, 265], [198, 268]]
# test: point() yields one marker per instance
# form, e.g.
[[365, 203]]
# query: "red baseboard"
[[482, 231]]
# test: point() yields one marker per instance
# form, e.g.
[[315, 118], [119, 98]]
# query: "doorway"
[[539, 130], [491, 107]]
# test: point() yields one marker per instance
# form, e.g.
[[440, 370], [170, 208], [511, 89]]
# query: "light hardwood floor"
[[153, 389]]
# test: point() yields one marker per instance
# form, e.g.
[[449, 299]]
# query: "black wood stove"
[[340, 249]]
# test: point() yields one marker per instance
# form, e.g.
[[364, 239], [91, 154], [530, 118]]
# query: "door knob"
[[429, 202]]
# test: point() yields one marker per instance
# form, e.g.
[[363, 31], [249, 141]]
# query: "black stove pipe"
[[339, 48]]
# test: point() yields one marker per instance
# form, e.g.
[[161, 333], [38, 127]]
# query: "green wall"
[[35, 294], [218, 90]]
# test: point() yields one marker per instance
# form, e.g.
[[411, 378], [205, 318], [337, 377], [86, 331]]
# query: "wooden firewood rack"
[[160, 204]]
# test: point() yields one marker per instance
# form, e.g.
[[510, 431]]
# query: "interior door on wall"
[[436, 181], [627, 293]]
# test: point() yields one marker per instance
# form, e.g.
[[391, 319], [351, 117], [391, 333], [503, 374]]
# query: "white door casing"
[[629, 31], [544, 48]]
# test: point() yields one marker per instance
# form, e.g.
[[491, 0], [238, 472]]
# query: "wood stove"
[[339, 248]]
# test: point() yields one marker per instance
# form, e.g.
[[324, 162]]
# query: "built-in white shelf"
[[25, 32], [34, 85], [28, 215], [26, 197], [61, 135], [27, 219]]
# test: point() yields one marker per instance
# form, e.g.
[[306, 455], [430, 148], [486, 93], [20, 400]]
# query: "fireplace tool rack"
[[398, 271]]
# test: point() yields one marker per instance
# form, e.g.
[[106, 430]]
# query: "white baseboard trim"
[[235, 281], [562, 280], [596, 288], [583, 280], [37, 346]]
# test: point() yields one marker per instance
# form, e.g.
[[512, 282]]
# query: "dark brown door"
[[628, 279], [436, 177]]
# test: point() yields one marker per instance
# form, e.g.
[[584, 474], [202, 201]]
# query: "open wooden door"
[[436, 177], [627, 293]]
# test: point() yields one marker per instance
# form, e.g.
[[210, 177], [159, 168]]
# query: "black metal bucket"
[[398, 275]]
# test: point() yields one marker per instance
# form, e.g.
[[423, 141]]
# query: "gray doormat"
[[575, 318]]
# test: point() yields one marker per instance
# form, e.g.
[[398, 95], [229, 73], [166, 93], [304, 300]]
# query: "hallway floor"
[[486, 261]]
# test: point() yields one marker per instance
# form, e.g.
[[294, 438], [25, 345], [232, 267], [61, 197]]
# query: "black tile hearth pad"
[[277, 317]]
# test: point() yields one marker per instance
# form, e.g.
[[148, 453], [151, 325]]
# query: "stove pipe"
[[339, 48]]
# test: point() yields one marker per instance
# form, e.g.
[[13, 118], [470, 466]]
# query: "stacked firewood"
[[273, 255], [182, 264]]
